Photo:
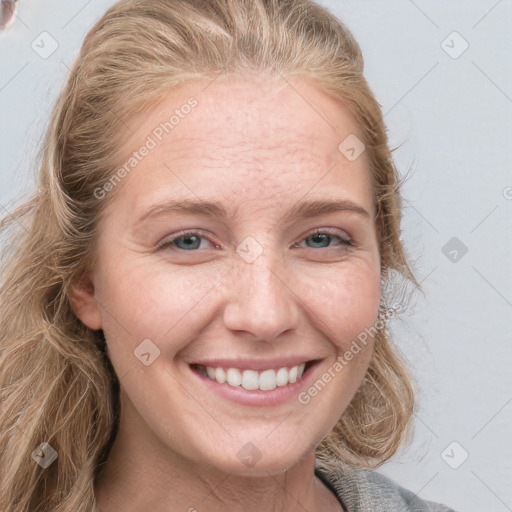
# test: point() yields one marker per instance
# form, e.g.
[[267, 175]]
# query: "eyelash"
[[168, 244]]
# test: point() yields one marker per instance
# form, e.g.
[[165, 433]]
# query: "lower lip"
[[257, 397]]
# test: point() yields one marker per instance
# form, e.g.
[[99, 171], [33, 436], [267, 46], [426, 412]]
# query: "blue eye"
[[322, 239], [186, 242], [191, 241]]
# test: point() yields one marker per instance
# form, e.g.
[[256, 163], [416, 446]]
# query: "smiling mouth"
[[264, 380]]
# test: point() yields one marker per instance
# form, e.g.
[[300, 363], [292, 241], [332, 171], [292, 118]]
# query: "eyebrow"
[[212, 208]]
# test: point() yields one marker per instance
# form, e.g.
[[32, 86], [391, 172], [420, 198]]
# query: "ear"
[[84, 304]]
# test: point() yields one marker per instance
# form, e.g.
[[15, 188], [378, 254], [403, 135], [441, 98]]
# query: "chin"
[[258, 459]]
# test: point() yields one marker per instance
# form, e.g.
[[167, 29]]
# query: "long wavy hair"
[[57, 384]]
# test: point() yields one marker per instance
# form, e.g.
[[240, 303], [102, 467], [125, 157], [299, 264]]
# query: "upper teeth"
[[252, 379]]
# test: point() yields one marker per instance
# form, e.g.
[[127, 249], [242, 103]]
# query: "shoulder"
[[365, 490]]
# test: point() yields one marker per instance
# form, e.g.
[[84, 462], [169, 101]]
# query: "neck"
[[148, 476]]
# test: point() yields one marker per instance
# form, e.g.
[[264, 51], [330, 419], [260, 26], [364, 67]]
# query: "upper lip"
[[256, 364]]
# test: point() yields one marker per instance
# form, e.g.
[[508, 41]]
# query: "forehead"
[[243, 138]]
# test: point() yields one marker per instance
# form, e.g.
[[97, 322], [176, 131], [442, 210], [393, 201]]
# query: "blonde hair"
[[57, 383]]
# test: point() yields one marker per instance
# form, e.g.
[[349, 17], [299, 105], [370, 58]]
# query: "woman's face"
[[183, 286]]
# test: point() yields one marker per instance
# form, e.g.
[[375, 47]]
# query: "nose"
[[262, 300]]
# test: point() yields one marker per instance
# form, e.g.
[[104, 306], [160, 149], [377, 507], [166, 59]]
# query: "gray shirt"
[[365, 490]]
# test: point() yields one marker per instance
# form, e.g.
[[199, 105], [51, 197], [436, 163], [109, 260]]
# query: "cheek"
[[343, 301], [143, 301], [170, 306]]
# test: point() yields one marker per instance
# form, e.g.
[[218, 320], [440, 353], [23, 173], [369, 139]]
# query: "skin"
[[259, 146]]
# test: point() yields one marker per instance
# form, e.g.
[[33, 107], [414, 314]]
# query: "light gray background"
[[454, 118]]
